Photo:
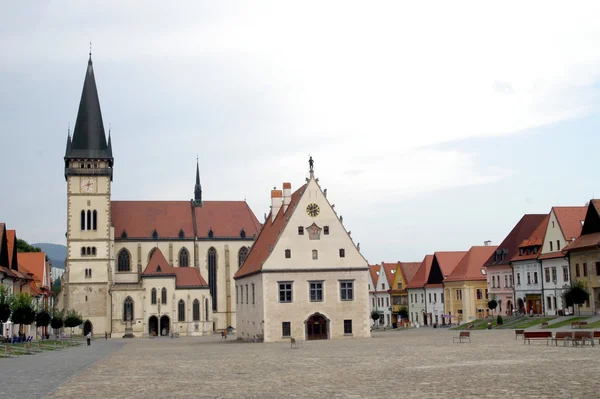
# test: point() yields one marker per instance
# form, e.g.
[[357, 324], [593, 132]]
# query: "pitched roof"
[[469, 267], [3, 250], [34, 263], [570, 220], [374, 272], [449, 260], [226, 219], [584, 242], [420, 277], [11, 237], [535, 239], [409, 269], [390, 270], [185, 277], [89, 138], [510, 245]]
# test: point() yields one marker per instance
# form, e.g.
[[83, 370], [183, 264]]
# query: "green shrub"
[[499, 320]]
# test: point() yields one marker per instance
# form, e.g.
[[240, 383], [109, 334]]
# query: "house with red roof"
[[417, 306], [379, 292], [304, 277], [442, 265], [564, 226], [465, 288], [110, 243], [404, 273], [583, 254]]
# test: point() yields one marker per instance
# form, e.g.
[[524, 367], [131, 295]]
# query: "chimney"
[[487, 243], [276, 202], [287, 196]]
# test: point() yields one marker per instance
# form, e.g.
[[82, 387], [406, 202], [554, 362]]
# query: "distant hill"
[[56, 252]]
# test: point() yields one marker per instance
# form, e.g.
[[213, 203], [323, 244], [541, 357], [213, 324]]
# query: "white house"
[[417, 309], [304, 277], [379, 292]]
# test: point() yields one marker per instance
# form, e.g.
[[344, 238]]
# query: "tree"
[[73, 319], [577, 294], [42, 319], [403, 312], [374, 316], [22, 309], [5, 301], [24, 246], [499, 320], [57, 319], [492, 304]]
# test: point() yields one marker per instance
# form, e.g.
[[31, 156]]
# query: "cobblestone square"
[[414, 363]]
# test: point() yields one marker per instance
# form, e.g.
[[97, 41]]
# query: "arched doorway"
[[509, 308], [316, 327], [87, 328], [164, 325], [153, 326], [521, 304]]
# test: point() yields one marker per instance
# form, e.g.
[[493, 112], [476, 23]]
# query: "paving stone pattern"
[[414, 363], [37, 376]]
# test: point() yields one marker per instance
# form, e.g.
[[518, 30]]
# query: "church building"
[[304, 278], [145, 267]]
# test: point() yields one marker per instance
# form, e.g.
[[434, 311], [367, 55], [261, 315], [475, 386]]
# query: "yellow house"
[[403, 275], [465, 289], [584, 257]]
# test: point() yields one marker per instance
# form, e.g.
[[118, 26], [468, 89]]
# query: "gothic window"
[[95, 220], [93, 251], [153, 297], [128, 309], [86, 272], [88, 251], [82, 220], [212, 275], [89, 220], [184, 258], [163, 296], [124, 261], [181, 310], [196, 310], [89, 272], [242, 254], [82, 251], [155, 234]]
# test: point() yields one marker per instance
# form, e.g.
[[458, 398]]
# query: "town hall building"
[[141, 268], [304, 278]]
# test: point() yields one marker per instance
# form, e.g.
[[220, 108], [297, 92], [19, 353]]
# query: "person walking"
[[89, 338]]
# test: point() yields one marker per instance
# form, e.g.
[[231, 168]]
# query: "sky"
[[434, 126]]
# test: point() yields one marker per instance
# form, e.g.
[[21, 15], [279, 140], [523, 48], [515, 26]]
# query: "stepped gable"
[[510, 245], [185, 277], [536, 239], [469, 267], [420, 278], [268, 236]]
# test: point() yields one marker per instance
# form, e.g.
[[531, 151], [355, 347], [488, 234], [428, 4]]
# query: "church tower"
[[88, 172]]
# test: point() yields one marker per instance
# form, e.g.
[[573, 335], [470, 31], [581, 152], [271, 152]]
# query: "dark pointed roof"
[[198, 187], [89, 139]]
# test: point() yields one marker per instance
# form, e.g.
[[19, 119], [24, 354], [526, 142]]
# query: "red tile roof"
[[510, 244], [569, 219], [552, 255], [11, 236], [409, 269], [374, 272], [420, 277], [34, 263], [390, 270], [139, 219], [185, 277], [535, 239], [267, 238], [587, 241], [449, 260], [469, 267]]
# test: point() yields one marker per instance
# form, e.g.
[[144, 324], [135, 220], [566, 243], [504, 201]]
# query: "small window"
[[288, 253], [153, 296], [82, 165], [93, 251], [315, 254], [326, 230], [286, 329], [82, 251], [558, 245], [348, 327], [300, 230], [342, 253], [253, 296], [285, 292], [551, 248], [585, 270], [95, 165], [246, 294]]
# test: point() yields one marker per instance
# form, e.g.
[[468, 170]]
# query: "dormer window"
[[210, 233], [155, 234], [124, 234], [521, 251], [300, 230], [243, 233], [181, 233], [158, 269]]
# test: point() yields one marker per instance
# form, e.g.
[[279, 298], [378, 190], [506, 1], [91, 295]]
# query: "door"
[[87, 327], [316, 327], [153, 326], [164, 325]]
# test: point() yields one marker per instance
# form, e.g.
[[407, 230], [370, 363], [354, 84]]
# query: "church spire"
[[89, 139], [198, 187], [68, 141]]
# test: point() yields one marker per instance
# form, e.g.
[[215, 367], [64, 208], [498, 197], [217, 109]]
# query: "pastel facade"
[[416, 293], [442, 265], [110, 244], [402, 276], [304, 277], [379, 293]]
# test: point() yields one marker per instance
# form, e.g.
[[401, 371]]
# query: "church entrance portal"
[[316, 327], [87, 327], [153, 326], [164, 325]]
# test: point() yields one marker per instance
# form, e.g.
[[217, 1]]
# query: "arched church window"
[[88, 250], [124, 261], [153, 296], [181, 310], [95, 220], [93, 251], [82, 220], [212, 275], [163, 296], [88, 225], [242, 254], [82, 251], [196, 310], [184, 257], [128, 309]]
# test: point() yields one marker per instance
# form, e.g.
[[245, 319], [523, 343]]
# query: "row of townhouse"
[[27, 272], [528, 272]]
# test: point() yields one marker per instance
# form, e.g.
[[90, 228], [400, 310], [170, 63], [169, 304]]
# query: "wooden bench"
[[581, 337], [579, 324], [519, 333], [544, 324], [295, 344], [564, 336], [537, 335], [464, 335], [597, 335]]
